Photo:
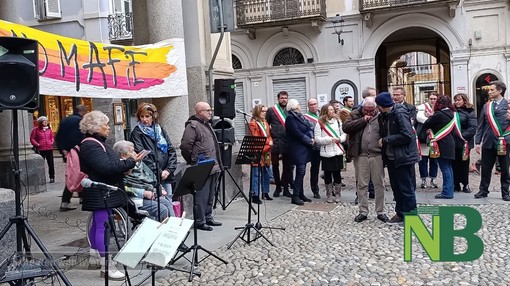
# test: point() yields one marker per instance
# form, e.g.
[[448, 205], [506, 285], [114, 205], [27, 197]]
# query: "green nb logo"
[[439, 243]]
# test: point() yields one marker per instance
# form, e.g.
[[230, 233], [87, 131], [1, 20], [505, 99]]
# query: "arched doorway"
[[482, 85], [417, 59]]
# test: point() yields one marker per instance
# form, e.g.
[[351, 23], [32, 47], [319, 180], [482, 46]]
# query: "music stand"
[[194, 179], [249, 154]]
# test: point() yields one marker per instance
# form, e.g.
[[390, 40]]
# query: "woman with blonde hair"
[[102, 164], [329, 136], [259, 127]]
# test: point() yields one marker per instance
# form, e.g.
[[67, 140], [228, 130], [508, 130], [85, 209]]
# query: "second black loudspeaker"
[[224, 98]]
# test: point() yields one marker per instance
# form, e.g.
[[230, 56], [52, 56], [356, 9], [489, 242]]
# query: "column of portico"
[[165, 21], [460, 75], [366, 68]]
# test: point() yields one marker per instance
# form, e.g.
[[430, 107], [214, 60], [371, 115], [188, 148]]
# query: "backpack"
[[74, 175]]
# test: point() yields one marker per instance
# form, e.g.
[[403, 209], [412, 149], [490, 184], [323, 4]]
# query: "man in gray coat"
[[362, 126], [490, 142], [199, 143]]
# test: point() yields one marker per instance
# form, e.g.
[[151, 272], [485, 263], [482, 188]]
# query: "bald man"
[[199, 143], [362, 126]]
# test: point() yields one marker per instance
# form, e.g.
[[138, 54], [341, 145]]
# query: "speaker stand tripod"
[[20, 221]]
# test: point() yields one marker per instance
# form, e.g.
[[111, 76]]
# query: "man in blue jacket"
[[400, 153]]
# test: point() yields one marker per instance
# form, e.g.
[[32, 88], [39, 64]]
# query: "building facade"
[[329, 49]]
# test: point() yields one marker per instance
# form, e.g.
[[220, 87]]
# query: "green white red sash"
[[465, 148], [496, 128], [454, 124], [428, 107], [262, 127], [332, 133], [312, 117], [280, 114]]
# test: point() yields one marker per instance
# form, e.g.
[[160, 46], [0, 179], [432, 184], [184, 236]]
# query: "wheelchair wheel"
[[122, 227]]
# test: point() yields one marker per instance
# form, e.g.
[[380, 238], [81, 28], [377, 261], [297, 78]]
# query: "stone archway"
[[417, 59]]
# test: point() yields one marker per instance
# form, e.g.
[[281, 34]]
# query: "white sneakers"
[[96, 261]]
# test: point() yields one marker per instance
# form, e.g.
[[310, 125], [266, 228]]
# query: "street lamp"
[[338, 23]]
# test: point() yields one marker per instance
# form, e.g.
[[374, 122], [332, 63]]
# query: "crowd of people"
[[382, 131]]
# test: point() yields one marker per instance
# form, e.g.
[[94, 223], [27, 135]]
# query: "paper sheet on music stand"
[[163, 238], [171, 235], [139, 243]]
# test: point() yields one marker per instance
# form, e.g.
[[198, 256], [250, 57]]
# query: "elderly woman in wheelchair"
[[140, 184]]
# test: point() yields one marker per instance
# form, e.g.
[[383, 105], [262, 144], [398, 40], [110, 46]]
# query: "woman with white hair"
[[100, 162], [42, 139], [300, 141]]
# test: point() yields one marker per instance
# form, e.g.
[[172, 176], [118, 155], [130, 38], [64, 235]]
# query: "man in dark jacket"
[[68, 136], [313, 115], [400, 153], [276, 116], [490, 142], [399, 96], [199, 143]]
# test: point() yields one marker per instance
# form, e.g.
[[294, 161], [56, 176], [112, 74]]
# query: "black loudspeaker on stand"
[[19, 74], [224, 98], [19, 89]]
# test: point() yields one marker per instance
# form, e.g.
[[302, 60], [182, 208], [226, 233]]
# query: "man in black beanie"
[[400, 153]]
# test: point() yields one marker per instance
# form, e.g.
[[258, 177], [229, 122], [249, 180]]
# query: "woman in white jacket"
[[329, 136]]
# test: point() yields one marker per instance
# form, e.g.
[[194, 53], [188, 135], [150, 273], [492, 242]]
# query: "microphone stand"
[[109, 226], [157, 172]]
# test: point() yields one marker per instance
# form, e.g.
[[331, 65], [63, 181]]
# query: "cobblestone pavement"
[[321, 244]]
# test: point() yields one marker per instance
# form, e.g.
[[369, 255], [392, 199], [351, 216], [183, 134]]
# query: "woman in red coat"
[[260, 127], [41, 138]]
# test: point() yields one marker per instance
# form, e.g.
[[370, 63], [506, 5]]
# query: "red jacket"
[[42, 139], [257, 131]]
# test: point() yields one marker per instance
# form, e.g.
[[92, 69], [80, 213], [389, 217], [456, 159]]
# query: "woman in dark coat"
[[299, 141], [468, 124], [149, 135], [443, 114], [103, 165]]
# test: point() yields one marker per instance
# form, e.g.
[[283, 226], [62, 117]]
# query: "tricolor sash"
[[465, 148], [453, 124], [332, 133], [312, 117], [428, 107], [496, 128], [280, 114], [262, 126]]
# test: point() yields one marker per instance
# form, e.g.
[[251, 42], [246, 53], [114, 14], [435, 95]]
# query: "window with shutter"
[[47, 9]]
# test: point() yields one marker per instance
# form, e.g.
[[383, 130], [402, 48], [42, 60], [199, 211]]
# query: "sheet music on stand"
[[158, 240], [251, 150]]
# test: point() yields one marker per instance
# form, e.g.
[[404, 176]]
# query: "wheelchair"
[[125, 221]]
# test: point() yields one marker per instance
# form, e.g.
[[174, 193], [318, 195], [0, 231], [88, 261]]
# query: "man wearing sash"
[[400, 153], [362, 126], [276, 116], [491, 139], [313, 115]]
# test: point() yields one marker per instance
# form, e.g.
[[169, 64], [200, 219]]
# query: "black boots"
[[315, 192], [296, 198], [265, 196], [256, 200], [466, 189], [286, 193]]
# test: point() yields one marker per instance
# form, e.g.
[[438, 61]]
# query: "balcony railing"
[[369, 5], [256, 12], [120, 26]]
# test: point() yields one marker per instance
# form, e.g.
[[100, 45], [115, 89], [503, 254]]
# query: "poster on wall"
[[73, 67], [343, 88]]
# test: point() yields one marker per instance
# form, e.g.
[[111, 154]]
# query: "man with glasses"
[[199, 143], [399, 96], [363, 128], [313, 116]]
